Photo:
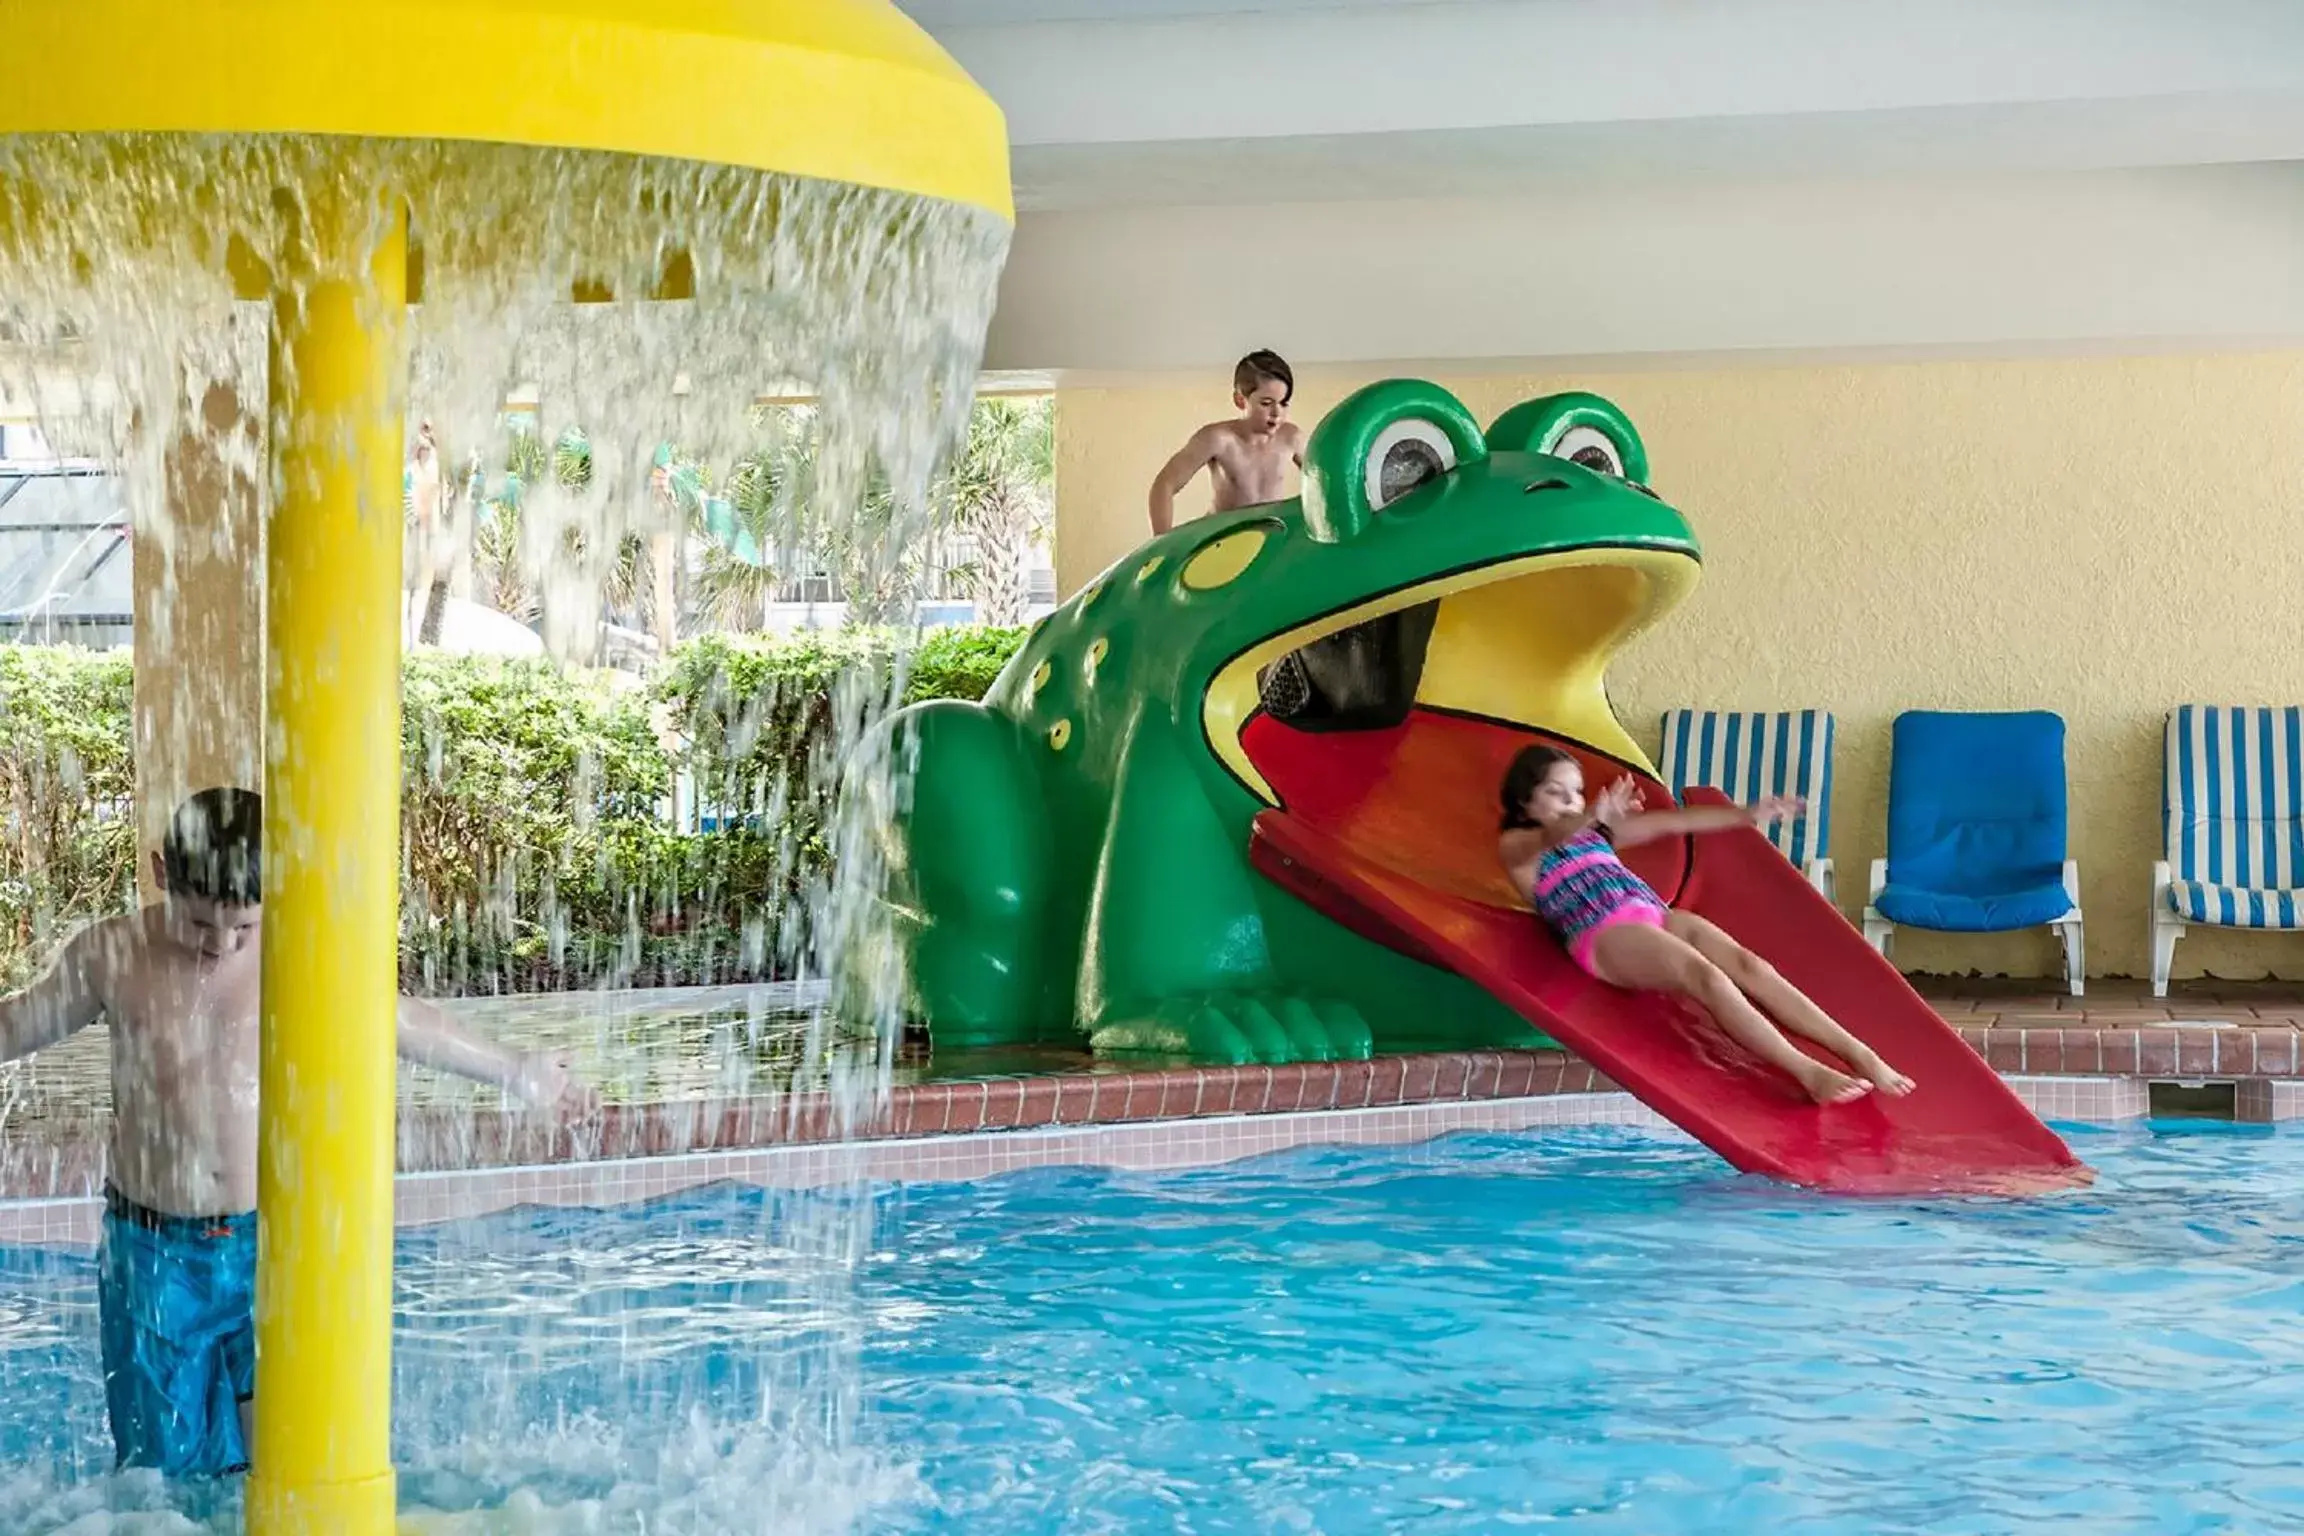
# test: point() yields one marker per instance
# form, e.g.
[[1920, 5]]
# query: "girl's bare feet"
[[1880, 1075], [1826, 1086]]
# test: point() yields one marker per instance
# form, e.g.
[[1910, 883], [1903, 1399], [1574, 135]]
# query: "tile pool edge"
[[2163, 1048], [431, 1197], [425, 1198], [459, 1163], [435, 1139], [439, 1195]]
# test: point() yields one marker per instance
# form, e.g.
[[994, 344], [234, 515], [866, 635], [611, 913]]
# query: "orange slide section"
[[1393, 833]]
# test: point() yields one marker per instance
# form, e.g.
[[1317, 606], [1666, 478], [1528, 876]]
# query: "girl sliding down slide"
[[1563, 858]]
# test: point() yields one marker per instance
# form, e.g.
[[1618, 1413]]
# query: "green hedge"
[[536, 850], [67, 825]]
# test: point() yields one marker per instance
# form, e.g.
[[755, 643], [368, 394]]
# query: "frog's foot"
[[1237, 1028]]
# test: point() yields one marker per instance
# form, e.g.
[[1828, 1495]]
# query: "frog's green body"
[[1074, 860]]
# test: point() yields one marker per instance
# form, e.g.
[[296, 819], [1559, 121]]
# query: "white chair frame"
[[1880, 933]]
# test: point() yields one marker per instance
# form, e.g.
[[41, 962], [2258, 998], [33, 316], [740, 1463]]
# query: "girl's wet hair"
[[1528, 771]]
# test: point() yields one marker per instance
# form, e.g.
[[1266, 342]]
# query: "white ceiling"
[[1118, 103], [1629, 179], [939, 14], [2202, 129]]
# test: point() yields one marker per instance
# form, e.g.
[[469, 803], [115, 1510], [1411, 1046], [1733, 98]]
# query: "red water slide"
[[1393, 833]]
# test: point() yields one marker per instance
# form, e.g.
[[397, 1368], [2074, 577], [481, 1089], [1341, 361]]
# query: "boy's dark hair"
[[215, 847], [1528, 771], [1256, 367]]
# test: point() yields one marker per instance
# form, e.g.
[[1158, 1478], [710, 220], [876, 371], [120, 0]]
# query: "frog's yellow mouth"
[[1526, 640]]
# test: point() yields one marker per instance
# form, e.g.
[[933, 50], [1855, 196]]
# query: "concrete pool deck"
[[2091, 1059]]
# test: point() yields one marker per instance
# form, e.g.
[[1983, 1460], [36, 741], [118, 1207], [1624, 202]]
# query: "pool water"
[[1599, 1329]]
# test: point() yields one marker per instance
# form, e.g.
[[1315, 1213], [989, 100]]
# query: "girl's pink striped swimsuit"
[[1582, 889]]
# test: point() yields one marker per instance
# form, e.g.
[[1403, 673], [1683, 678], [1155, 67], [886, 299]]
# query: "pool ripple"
[[1601, 1328]]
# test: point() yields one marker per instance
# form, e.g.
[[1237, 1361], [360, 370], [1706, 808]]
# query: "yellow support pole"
[[322, 1453]]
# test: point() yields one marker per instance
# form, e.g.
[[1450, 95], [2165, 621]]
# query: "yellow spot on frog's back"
[[1060, 735], [1096, 655], [1090, 595], [1040, 675], [1151, 567], [1226, 559]]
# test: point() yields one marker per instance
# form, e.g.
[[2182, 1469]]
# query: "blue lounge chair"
[[2235, 844], [1750, 756], [1976, 832]]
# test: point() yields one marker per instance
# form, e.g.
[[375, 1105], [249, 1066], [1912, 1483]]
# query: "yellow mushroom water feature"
[[386, 171]]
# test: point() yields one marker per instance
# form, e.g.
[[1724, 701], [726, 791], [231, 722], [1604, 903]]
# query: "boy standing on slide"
[[1248, 457]]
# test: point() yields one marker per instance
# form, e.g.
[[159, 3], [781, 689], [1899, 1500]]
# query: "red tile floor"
[[2209, 1030]]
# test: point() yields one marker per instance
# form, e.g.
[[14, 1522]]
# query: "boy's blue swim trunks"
[[176, 1296]]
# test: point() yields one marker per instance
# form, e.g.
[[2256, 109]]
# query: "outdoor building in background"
[[65, 573]]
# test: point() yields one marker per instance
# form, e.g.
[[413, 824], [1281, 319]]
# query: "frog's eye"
[[1592, 448], [1378, 448], [1583, 429], [1409, 453]]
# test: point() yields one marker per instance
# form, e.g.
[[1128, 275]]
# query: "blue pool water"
[[1602, 1330]]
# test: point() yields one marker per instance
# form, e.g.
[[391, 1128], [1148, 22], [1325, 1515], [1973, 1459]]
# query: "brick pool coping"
[[2232, 1031], [2090, 1081], [2167, 1052], [69, 1164], [2071, 1059], [423, 1198], [73, 1220]]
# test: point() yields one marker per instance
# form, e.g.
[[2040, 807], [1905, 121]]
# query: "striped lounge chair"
[[1749, 756], [2235, 832]]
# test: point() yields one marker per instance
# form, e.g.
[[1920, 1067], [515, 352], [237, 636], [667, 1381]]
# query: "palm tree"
[[757, 512], [503, 580], [998, 494], [772, 503], [499, 555], [873, 561], [876, 554], [496, 560]]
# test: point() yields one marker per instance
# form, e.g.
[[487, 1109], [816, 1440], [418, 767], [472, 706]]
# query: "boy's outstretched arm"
[[64, 1001], [1174, 475], [430, 1038]]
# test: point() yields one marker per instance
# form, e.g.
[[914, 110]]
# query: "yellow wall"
[[2102, 537]]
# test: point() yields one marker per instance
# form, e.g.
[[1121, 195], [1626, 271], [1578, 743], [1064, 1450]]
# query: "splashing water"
[[128, 331]]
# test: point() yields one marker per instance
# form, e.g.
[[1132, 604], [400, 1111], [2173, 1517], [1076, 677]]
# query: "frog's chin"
[[1524, 641]]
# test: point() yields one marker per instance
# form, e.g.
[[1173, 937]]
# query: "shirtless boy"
[[1247, 458], [177, 1276]]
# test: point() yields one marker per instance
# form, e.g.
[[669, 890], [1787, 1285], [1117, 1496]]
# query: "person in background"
[[177, 983], [1247, 457]]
